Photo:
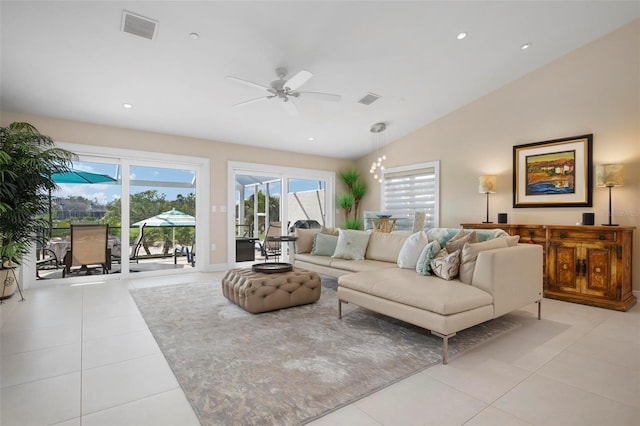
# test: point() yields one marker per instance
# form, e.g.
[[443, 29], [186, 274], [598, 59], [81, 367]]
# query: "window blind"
[[408, 189]]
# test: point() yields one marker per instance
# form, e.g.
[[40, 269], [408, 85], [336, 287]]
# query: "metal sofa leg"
[[339, 309], [445, 345], [539, 302]]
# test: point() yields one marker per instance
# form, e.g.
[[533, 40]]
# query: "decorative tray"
[[272, 267]]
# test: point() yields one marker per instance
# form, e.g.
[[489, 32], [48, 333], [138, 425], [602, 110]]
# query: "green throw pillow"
[[423, 267], [324, 244]]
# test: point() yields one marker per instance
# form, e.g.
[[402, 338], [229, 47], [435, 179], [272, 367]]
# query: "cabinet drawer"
[[537, 235], [582, 235]]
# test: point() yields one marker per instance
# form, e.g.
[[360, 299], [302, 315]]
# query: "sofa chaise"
[[501, 276]]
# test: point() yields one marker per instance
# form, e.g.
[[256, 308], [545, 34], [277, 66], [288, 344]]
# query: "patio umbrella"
[[77, 177], [172, 218]]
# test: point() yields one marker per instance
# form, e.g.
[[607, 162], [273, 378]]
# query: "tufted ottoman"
[[258, 292]]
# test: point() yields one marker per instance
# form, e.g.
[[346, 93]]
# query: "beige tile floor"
[[83, 355]]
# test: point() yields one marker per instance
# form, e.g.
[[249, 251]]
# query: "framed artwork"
[[556, 173]]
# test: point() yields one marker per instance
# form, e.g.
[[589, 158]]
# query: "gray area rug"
[[290, 366]]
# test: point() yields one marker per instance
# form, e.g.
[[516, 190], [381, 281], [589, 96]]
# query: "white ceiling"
[[71, 60]]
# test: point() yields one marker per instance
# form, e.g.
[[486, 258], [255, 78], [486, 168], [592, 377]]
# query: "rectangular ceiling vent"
[[139, 25], [369, 98]]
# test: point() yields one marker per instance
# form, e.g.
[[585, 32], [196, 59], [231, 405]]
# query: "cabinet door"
[[564, 267], [600, 272]]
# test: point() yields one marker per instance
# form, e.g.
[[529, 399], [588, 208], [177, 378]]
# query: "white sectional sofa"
[[501, 280]]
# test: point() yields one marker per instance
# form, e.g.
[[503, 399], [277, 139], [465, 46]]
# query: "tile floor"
[[83, 355]]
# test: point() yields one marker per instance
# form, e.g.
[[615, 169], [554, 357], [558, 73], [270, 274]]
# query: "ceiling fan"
[[284, 89]]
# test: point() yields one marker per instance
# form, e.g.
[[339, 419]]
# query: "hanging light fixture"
[[377, 135]]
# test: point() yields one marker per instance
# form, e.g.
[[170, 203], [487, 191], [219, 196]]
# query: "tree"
[[350, 201]]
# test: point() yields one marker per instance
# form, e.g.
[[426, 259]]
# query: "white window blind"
[[408, 189]]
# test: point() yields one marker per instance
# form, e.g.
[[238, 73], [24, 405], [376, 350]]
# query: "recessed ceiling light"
[[194, 36], [311, 138], [525, 46], [127, 106], [461, 35]]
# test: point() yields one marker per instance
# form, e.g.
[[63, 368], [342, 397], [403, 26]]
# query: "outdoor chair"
[[89, 246], [271, 248], [134, 249], [46, 260]]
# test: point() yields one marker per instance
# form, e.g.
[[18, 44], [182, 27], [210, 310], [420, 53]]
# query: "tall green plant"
[[28, 159], [350, 201]]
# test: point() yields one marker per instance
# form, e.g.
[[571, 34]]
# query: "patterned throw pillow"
[[446, 267], [423, 267], [411, 249], [352, 244], [324, 244]]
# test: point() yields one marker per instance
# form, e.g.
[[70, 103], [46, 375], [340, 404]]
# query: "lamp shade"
[[609, 175], [487, 184]]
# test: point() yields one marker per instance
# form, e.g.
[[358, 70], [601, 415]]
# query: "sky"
[[104, 193]]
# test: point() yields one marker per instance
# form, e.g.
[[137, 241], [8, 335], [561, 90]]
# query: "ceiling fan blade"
[[250, 101], [290, 107], [321, 96], [298, 80], [248, 83]]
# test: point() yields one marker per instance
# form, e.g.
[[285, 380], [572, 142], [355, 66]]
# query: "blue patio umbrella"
[[77, 177]]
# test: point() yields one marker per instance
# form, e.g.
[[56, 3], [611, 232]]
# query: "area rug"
[[289, 366]]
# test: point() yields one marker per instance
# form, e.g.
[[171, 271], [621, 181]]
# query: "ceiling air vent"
[[138, 25], [369, 98]]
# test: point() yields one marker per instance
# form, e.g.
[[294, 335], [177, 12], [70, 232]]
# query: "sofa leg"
[[339, 309], [539, 302], [445, 345]]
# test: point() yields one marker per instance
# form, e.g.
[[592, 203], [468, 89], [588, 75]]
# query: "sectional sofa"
[[496, 274]]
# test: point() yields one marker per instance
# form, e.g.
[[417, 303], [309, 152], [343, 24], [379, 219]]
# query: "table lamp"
[[609, 175], [487, 185]]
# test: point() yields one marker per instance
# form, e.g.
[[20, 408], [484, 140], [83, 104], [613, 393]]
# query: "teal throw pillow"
[[423, 267], [324, 244]]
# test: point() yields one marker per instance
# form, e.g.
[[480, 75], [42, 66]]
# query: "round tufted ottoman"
[[258, 292]]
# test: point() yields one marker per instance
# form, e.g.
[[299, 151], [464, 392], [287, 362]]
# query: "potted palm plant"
[[28, 159]]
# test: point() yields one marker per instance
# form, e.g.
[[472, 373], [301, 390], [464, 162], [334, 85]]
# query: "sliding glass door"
[[267, 199]]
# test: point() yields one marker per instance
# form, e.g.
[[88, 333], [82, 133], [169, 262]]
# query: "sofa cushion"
[[512, 241], [316, 260], [385, 247], [446, 267], [423, 292], [411, 249], [361, 265], [351, 244], [469, 256], [430, 251], [324, 244], [304, 241]]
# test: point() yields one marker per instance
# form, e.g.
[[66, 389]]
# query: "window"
[[410, 189]]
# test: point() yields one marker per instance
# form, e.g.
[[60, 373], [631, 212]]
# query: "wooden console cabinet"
[[583, 264]]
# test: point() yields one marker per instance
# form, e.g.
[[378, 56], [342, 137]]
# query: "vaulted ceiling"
[[72, 60]]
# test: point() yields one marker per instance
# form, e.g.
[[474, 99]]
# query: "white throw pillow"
[[352, 244], [411, 249]]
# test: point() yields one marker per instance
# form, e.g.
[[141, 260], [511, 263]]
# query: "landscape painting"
[[555, 173], [552, 173]]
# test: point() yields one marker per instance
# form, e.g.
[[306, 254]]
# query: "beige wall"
[[595, 89], [218, 153]]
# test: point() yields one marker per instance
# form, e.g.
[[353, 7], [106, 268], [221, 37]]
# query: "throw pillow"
[[446, 267], [351, 244], [411, 249], [304, 241], [423, 266], [458, 243], [470, 254], [324, 244], [511, 240], [330, 231]]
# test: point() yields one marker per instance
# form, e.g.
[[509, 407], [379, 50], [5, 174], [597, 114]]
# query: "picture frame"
[[554, 173]]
